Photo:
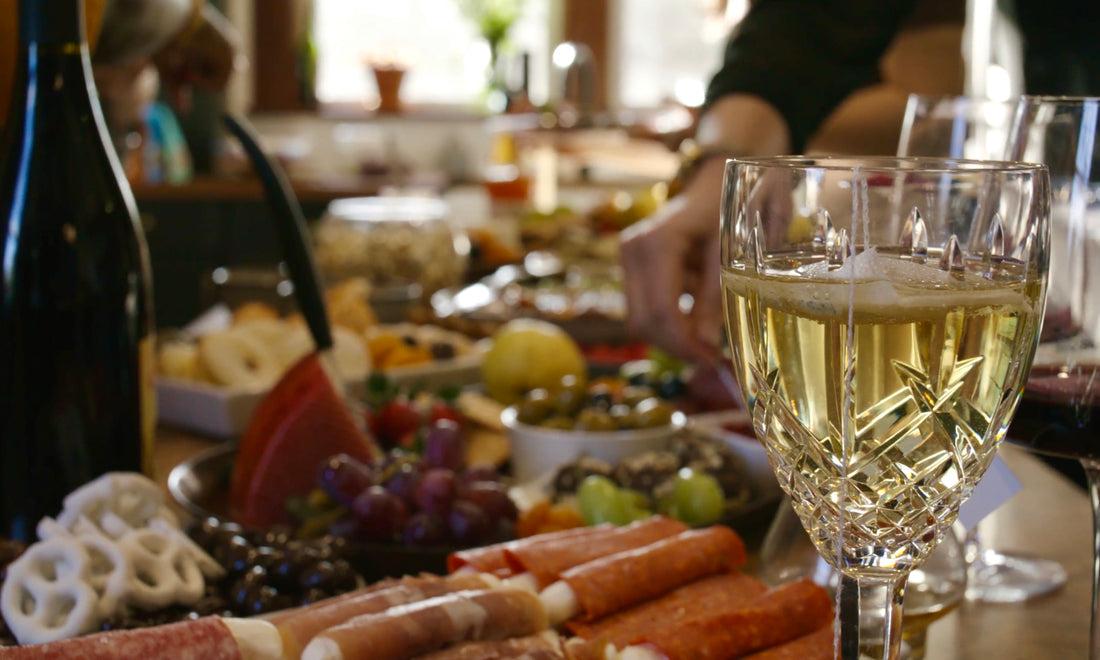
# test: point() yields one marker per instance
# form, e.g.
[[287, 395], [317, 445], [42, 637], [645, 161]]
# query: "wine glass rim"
[[922, 164], [1059, 98]]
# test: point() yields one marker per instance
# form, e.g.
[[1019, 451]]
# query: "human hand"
[[673, 252]]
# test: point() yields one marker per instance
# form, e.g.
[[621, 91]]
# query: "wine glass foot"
[[999, 578]]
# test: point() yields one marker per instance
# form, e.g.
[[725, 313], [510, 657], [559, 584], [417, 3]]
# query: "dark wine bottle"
[[76, 313]]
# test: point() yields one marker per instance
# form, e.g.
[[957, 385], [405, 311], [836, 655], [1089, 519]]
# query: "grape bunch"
[[425, 499]]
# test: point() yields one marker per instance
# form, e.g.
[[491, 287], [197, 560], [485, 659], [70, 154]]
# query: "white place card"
[[995, 488]]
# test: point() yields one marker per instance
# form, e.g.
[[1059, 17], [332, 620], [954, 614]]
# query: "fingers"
[[654, 255]]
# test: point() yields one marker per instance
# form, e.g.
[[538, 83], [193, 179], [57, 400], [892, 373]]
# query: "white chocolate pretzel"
[[46, 595]]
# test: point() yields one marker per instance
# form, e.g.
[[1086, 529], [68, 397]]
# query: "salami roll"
[[544, 646], [779, 616], [208, 638], [546, 562], [818, 645], [493, 558], [615, 582], [407, 631], [298, 626], [723, 592]]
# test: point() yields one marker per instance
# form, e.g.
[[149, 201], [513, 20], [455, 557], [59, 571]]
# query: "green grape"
[[696, 499], [600, 501]]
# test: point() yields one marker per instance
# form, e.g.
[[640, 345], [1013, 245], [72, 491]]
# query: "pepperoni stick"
[[779, 616], [407, 631], [209, 638], [544, 646], [546, 563], [297, 627], [723, 592], [493, 558], [818, 645], [615, 582]]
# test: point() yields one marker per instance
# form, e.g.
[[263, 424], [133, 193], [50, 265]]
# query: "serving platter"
[[200, 485]]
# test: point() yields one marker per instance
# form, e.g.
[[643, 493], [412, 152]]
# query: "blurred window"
[[669, 49], [659, 49], [444, 55]]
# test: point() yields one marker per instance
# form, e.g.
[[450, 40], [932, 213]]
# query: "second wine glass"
[[965, 127]]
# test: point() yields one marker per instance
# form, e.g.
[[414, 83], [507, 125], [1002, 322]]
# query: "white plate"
[[224, 412]]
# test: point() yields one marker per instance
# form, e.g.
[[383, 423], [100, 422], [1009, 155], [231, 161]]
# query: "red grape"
[[404, 482], [436, 491], [492, 498], [468, 523], [380, 513], [445, 445], [476, 473], [343, 478], [424, 528]]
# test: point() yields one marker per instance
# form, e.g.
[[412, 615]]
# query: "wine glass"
[[966, 127], [882, 315], [1059, 414]]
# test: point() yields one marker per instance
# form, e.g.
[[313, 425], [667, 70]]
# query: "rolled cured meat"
[[722, 592], [779, 616], [493, 558], [546, 562], [615, 582], [818, 645], [208, 638], [298, 626], [544, 646], [407, 631]]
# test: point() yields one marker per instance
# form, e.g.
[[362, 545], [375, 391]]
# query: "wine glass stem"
[[1092, 470], [870, 617]]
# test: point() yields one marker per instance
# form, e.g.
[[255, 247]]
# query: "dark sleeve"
[[806, 56]]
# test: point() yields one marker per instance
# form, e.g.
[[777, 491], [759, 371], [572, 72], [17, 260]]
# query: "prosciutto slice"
[[407, 631], [298, 626]]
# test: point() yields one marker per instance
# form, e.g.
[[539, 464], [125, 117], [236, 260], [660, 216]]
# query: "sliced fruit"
[[299, 424]]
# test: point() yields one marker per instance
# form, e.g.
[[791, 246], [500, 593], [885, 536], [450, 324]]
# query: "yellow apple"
[[527, 354]]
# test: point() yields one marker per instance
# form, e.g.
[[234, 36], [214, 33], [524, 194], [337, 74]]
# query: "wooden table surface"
[[1050, 517]]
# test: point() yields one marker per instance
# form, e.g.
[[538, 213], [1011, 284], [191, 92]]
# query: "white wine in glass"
[[882, 316]]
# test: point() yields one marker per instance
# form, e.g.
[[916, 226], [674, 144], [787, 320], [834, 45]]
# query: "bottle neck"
[[52, 24]]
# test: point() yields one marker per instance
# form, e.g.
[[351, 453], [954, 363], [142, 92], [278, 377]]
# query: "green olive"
[[594, 419], [622, 415], [536, 406], [568, 400], [634, 394], [653, 412], [557, 422]]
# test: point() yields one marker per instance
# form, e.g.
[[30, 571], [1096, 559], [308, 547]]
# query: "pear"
[[527, 354]]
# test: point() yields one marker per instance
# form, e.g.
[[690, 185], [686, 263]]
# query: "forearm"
[[743, 125]]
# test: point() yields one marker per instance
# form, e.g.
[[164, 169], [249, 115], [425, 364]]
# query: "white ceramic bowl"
[[717, 425], [538, 451]]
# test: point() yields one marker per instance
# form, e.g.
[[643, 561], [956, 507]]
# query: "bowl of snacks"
[[600, 419]]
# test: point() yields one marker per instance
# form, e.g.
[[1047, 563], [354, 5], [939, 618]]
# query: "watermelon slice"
[[300, 423]]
